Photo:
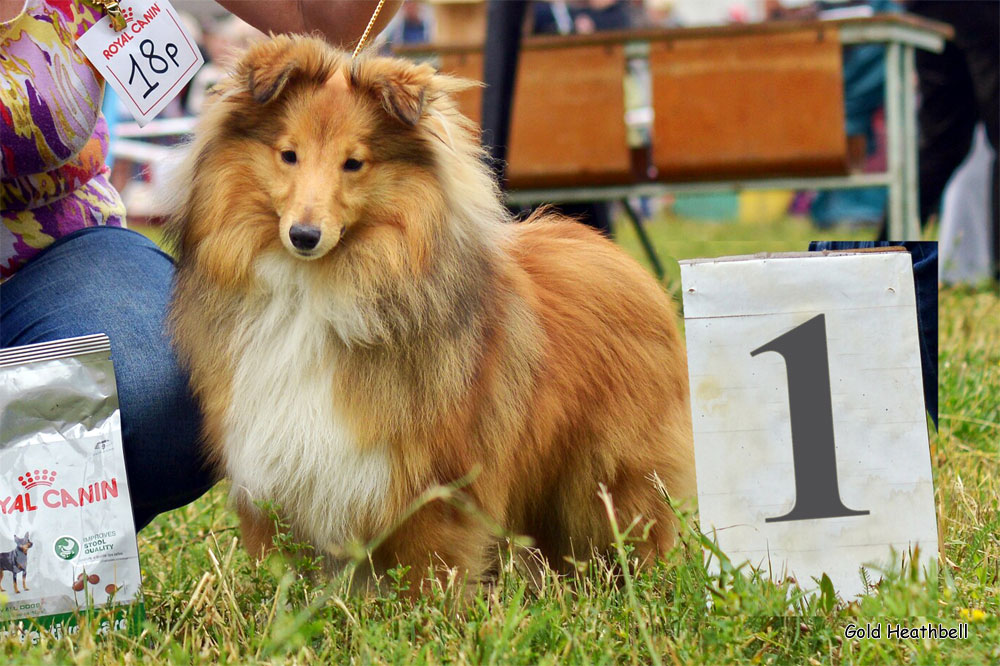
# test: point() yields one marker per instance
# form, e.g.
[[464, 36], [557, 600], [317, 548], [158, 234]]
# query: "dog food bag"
[[67, 538]]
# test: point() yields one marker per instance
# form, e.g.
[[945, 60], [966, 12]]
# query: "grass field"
[[206, 603]]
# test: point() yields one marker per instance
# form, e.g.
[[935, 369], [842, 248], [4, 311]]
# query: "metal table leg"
[[894, 123], [911, 180], [647, 245]]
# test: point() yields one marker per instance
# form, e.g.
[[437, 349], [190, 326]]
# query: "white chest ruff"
[[284, 440]]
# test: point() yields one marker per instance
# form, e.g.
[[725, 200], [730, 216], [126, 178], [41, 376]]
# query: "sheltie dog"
[[362, 323]]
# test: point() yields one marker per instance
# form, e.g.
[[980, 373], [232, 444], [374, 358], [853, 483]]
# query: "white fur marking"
[[285, 441]]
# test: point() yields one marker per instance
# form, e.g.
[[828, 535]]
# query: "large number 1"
[[817, 494]]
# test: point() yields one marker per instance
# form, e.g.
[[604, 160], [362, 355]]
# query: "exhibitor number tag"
[[147, 63]]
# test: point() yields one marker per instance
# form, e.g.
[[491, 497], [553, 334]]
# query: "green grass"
[[207, 603], [676, 239]]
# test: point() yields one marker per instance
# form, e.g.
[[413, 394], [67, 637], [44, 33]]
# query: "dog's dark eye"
[[352, 165], [289, 157]]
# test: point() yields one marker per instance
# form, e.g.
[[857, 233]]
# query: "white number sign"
[[807, 401]]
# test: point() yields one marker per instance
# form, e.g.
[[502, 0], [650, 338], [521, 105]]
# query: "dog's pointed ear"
[[402, 89], [266, 68], [267, 84]]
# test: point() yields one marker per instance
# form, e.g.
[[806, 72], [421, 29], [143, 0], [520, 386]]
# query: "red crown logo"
[[127, 13], [31, 479]]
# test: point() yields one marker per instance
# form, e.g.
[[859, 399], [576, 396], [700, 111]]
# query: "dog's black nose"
[[304, 236]]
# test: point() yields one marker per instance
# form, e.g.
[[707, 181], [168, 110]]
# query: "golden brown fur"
[[537, 356]]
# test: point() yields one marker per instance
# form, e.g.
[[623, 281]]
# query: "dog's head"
[[325, 157], [23, 543]]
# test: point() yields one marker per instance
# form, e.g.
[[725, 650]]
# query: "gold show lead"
[[368, 29]]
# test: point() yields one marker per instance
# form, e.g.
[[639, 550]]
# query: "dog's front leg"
[[1, 580], [16, 591], [439, 545], [257, 529], [24, 580]]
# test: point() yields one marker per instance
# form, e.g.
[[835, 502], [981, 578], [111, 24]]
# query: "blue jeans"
[[924, 255], [115, 281]]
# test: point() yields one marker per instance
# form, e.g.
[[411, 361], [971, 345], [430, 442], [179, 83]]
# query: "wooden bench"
[[735, 107], [748, 105], [568, 124]]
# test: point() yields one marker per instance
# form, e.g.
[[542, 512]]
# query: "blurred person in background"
[[958, 90], [224, 39], [582, 17], [659, 14], [864, 117], [965, 231], [412, 25]]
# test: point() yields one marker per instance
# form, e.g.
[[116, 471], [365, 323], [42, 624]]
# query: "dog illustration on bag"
[[16, 561]]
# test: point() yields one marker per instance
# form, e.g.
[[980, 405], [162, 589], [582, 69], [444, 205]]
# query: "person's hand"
[[342, 22]]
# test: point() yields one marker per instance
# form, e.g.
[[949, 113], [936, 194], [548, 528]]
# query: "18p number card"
[[807, 403], [149, 61]]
